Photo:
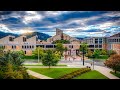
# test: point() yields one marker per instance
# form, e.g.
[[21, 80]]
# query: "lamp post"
[[93, 61], [38, 54], [83, 56]]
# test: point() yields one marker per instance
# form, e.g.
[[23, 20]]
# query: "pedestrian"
[[91, 64]]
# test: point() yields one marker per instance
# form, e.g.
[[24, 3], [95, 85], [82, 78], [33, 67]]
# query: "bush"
[[75, 73]]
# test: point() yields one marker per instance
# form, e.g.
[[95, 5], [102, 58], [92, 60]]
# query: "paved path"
[[38, 75], [105, 71]]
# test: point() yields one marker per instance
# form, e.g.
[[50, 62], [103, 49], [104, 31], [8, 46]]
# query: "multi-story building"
[[108, 43], [28, 45], [113, 43]]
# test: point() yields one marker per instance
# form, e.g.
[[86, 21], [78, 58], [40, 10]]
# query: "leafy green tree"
[[60, 47], [39, 51], [103, 52], [113, 62], [96, 53], [61, 41], [83, 48], [50, 58], [89, 53], [11, 66]]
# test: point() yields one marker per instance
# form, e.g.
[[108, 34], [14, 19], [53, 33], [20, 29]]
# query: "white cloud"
[[32, 16], [4, 28]]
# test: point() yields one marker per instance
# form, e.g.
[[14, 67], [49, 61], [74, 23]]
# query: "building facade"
[[28, 45]]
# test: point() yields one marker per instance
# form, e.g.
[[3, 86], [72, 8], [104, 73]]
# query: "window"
[[117, 40], [13, 47], [11, 39], [25, 52], [96, 46], [100, 46], [32, 46], [91, 46], [49, 46], [24, 39], [96, 40], [27, 46], [22, 46], [100, 40]]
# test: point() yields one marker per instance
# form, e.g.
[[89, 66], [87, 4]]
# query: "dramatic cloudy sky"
[[74, 23]]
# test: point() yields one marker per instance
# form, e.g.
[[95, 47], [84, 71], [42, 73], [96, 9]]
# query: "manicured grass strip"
[[54, 72], [117, 74], [91, 75], [43, 65]]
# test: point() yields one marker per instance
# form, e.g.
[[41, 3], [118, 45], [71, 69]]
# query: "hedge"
[[75, 73]]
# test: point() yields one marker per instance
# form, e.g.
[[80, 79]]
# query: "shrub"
[[75, 73]]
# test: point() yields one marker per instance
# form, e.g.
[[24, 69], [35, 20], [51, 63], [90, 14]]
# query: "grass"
[[101, 57], [54, 72], [117, 74], [29, 57], [91, 75], [43, 65], [32, 77]]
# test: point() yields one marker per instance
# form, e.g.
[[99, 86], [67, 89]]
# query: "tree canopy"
[[113, 62]]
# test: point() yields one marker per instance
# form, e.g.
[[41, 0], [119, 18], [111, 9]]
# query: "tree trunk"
[[49, 66]]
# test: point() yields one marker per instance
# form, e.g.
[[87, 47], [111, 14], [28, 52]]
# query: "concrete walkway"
[[40, 76], [105, 71]]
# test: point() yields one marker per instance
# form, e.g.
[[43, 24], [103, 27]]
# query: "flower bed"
[[75, 73]]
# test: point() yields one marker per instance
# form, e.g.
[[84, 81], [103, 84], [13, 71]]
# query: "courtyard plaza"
[[74, 63]]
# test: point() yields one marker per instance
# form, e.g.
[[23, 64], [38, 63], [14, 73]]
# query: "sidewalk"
[[40, 76], [105, 71]]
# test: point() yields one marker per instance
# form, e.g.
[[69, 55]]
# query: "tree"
[[60, 47], [61, 41], [65, 52], [96, 53], [11, 66], [1, 51], [111, 52], [50, 58], [103, 52], [38, 52], [83, 48], [89, 53], [113, 62]]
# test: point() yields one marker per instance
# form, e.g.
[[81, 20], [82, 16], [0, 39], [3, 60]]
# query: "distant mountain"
[[41, 36], [3, 34]]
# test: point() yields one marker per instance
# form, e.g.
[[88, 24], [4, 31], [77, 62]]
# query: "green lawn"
[[101, 57], [116, 74], [43, 65], [54, 72], [91, 75]]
